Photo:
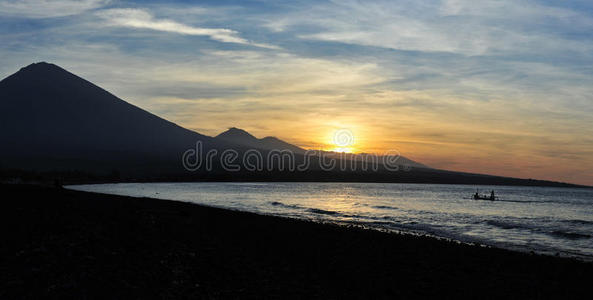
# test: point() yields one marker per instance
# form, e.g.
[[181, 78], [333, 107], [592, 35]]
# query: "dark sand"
[[67, 244]]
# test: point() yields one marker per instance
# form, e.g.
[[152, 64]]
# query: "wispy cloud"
[[454, 26], [142, 19], [48, 8]]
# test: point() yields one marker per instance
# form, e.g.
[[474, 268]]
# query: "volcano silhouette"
[[51, 118]]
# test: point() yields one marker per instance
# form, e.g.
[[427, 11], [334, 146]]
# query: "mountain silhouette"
[[52, 120], [242, 137]]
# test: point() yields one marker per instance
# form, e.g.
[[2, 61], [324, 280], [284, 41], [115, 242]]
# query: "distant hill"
[[52, 121], [242, 137]]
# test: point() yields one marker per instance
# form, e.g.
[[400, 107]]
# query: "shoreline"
[[393, 228], [65, 243]]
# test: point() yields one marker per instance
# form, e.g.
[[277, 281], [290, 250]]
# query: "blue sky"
[[449, 83]]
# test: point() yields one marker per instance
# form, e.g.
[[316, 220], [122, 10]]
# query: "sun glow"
[[343, 141]]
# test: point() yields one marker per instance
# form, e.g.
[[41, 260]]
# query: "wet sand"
[[66, 244]]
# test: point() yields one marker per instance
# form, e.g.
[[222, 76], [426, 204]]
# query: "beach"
[[68, 244]]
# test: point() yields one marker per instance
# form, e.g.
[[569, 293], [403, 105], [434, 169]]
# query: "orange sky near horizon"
[[498, 146]]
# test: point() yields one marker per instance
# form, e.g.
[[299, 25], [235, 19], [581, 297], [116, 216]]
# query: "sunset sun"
[[342, 140]]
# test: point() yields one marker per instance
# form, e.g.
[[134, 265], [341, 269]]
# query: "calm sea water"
[[540, 219]]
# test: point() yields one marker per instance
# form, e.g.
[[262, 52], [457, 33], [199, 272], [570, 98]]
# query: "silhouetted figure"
[[492, 195]]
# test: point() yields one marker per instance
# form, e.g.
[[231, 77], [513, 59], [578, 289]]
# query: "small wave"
[[385, 207], [380, 223], [505, 225], [580, 222], [312, 210], [518, 201], [276, 203], [322, 211], [556, 233], [570, 235], [509, 200]]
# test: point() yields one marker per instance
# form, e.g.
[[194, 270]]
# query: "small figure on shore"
[[492, 195]]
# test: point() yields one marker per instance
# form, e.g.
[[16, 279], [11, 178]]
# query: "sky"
[[501, 87]]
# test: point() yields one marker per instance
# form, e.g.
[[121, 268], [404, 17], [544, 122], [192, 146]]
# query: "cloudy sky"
[[502, 87]]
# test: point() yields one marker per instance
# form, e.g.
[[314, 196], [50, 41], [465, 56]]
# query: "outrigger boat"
[[477, 196]]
